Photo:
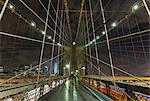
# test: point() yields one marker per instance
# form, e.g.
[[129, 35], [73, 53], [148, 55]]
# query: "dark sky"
[[131, 53]]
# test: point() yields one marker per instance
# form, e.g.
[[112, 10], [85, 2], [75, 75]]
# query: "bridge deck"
[[69, 91]]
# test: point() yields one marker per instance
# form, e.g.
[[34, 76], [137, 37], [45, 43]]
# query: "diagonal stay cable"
[[79, 21], [38, 17], [120, 20], [123, 71], [111, 80], [26, 38], [42, 47], [61, 27], [52, 17], [68, 19], [53, 48], [97, 17], [125, 36], [34, 67]]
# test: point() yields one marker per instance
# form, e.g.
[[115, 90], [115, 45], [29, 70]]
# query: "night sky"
[[130, 53]]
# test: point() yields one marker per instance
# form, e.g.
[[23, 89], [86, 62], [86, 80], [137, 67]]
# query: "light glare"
[[67, 66], [97, 37], [94, 40], [58, 44], [43, 32], [114, 24], [83, 68], [49, 37], [74, 43], [135, 7], [11, 6], [103, 32], [32, 24]]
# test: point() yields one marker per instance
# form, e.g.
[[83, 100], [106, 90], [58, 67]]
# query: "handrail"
[[25, 86], [100, 96]]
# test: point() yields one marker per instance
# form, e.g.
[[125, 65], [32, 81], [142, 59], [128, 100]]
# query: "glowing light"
[[91, 42], [97, 37], [32, 24], [77, 71], [114, 24], [83, 68], [49, 37], [67, 66], [53, 40], [58, 44], [94, 40], [103, 32], [11, 6], [43, 32], [74, 43], [135, 7]]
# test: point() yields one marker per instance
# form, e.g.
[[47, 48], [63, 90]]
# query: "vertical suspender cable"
[[52, 17], [144, 51], [42, 49], [108, 44], [136, 63], [93, 29], [125, 45], [86, 49], [120, 51], [53, 48], [61, 23], [68, 19], [79, 21], [88, 41]]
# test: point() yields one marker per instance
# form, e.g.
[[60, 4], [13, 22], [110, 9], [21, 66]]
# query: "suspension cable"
[[146, 7], [87, 30], [52, 17], [144, 51], [93, 29], [117, 68], [61, 25], [112, 81], [38, 16], [34, 67], [53, 48], [120, 21], [3, 9], [107, 39], [68, 19], [97, 16], [125, 36], [25, 38], [42, 48], [80, 17]]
